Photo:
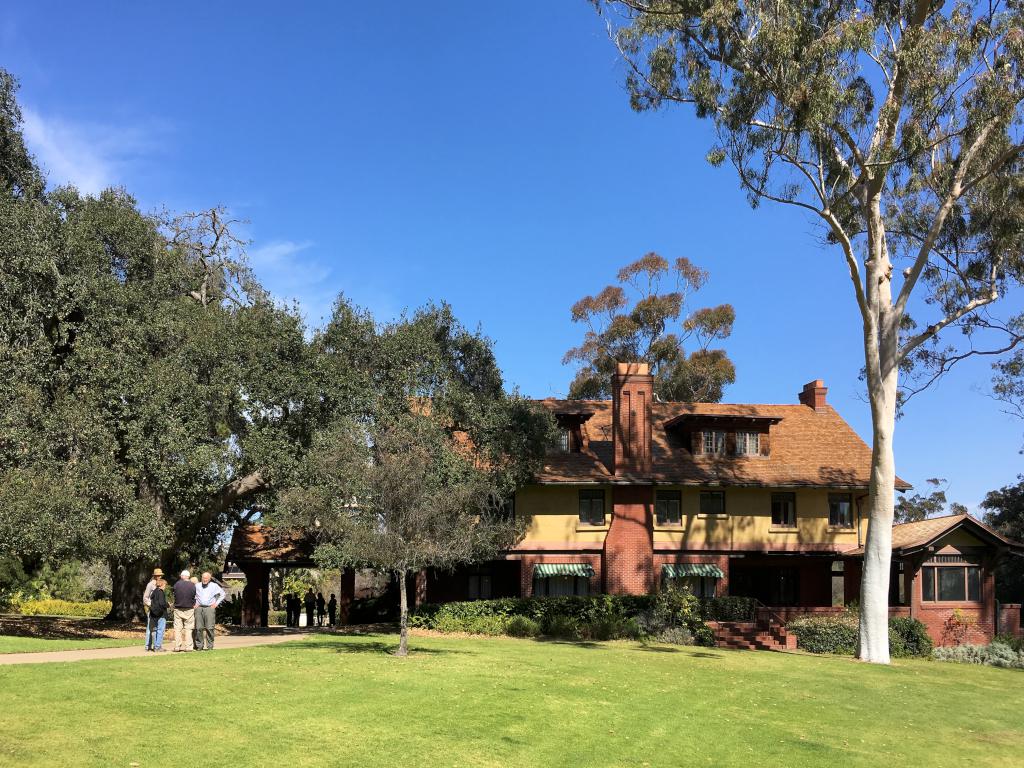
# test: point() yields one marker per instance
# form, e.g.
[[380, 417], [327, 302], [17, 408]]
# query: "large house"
[[763, 501]]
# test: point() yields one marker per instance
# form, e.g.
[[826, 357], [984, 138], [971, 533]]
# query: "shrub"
[[826, 634], [522, 626], [1016, 643], [995, 655], [728, 608], [97, 609], [675, 636], [273, 617], [562, 626], [911, 636]]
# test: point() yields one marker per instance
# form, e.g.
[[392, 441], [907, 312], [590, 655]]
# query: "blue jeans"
[[159, 625]]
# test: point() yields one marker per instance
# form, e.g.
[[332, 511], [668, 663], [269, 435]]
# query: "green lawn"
[[345, 701], [9, 644]]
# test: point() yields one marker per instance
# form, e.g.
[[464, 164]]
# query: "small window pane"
[[563, 441], [592, 507], [712, 503], [714, 442], [668, 507], [748, 443], [952, 583], [582, 586], [784, 510], [840, 510], [974, 584], [928, 584]]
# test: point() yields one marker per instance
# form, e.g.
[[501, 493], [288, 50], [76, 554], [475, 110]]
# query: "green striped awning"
[[545, 570], [692, 569]]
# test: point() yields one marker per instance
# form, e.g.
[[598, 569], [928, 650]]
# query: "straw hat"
[[158, 572]]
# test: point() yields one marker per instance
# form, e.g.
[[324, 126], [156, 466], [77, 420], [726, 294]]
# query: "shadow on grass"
[[373, 647]]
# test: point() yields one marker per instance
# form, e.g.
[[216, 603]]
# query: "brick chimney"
[[632, 393], [813, 395]]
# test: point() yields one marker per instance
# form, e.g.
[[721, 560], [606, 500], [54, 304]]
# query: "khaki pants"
[[206, 622], [184, 623]]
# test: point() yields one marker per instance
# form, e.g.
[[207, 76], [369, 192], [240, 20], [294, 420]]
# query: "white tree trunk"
[[874, 588]]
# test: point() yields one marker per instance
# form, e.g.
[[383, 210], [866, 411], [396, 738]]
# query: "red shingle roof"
[[808, 447], [906, 536]]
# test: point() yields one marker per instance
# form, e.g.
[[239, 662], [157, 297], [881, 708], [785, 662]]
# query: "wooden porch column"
[[256, 595]]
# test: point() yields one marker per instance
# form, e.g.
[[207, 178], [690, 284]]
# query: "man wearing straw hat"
[[147, 599]]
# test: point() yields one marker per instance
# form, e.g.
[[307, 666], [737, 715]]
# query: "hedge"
[[996, 654], [840, 635], [599, 617], [97, 609]]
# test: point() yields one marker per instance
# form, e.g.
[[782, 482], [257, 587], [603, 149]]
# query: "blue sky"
[[479, 153]]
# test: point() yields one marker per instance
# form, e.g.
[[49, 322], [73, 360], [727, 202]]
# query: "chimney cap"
[[813, 394], [633, 369]]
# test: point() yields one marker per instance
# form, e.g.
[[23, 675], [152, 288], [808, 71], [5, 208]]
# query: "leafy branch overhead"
[[638, 319]]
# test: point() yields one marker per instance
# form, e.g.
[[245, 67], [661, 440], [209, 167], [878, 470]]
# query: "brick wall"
[[1009, 619], [629, 545]]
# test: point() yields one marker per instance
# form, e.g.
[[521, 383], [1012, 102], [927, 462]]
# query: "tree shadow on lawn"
[[376, 647]]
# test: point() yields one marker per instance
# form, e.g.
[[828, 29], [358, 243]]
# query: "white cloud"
[[289, 274], [91, 156]]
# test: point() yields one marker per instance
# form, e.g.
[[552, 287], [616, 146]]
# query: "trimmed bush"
[[994, 655], [911, 637], [521, 626], [97, 609], [599, 617], [826, 634], [840, 634], [728, 608]]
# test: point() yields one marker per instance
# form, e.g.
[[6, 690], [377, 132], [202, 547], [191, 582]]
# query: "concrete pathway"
[[224, 642]]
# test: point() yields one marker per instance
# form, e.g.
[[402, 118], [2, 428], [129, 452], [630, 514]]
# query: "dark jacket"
[[310, 602], [158, 604], [184, 594]]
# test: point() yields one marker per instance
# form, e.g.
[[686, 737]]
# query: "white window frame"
[[748, 443], [714, 441]]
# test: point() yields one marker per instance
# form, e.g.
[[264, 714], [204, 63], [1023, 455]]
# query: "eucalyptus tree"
[[897, 127], [646, 317]]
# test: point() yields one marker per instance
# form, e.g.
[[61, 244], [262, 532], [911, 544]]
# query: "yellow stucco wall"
[[554, 517]]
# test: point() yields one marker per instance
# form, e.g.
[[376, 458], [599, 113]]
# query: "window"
[[563, 441], [951, 583], [699, 586], [668, 508], [712, 503], [479, 585], [748, 444], [784, 510], [714, 442], [560, 586], [592, 507], [840, 510]]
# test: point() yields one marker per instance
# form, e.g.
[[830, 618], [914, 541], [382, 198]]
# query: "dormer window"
[[564, 441], [748, 443], [714, 442]]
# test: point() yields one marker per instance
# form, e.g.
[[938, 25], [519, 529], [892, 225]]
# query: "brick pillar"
[[1009, 619], [346, 594], [632, 394], [629, 547]]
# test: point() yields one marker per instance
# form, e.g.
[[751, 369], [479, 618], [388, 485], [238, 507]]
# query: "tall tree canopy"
[[911, 509], [897, 127], [151, 389], [653, 325], [1004, 511], [423, 475]]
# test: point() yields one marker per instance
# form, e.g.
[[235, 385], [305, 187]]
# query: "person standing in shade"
[[295, 605], [195, 632], [157, 615], [310, 601], [321, 609], [332, 609], [208, 597], [184, 613], [146, 593]]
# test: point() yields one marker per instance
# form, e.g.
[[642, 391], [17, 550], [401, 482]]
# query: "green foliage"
[[910, 509], [996, 654], [1004, 511], [728, 608], [599, 617], [839, 635], [651, 327], [912, 637], [522, 626], [96, 609], [826, 634]]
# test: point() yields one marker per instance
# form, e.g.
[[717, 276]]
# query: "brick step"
[[749, 635]]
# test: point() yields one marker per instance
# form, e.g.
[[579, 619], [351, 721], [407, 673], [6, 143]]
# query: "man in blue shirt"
[[208, 597]]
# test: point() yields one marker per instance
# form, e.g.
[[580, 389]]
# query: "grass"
[[345, 701], [10, 644]]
